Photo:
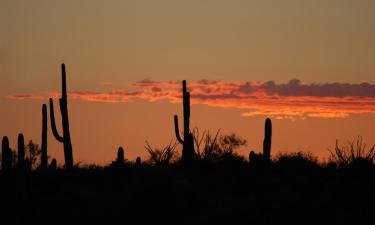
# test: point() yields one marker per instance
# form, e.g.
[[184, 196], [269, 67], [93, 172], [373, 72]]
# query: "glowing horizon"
[[291, 100]]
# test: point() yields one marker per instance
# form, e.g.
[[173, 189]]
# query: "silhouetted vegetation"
[[33, 152], [162, 156], [355, 153], [188, 152], [44, 154], [267, 140], [6, 155], [209, 182], [65, 137], [217, 147]]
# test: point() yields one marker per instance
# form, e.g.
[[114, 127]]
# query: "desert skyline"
[[309, 66]]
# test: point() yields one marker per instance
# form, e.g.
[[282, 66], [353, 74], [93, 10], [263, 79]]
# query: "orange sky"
[[307, 64]]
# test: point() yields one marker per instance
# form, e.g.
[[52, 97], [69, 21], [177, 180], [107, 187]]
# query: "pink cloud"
[[289, 100], [26, 97]]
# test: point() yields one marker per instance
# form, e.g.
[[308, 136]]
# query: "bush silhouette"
[[355, 153], [217, 147], [162, 156], [296, 160]]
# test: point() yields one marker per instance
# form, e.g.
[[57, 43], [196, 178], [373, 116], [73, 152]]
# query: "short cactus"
[[27, 165], [53, 165], [138, 162], [255, 158], [267, 140], [7, 156], [21, 152], [120, 156]]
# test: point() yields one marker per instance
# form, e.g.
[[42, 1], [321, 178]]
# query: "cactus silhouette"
[[188, 142], [252, 157], [6, 159], [27, 165], [267, 140], [21, 152], [44, 159], [65, 138], [120, 156], [138, 162], [53, 165]]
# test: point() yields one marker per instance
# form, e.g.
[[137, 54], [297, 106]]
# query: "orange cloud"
[[26, 97], [290, 100]]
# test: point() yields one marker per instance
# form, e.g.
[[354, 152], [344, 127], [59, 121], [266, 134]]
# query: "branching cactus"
[[21, 152], [44, 159], [6, 159], [188, 141], [65, 138], [267, 140]]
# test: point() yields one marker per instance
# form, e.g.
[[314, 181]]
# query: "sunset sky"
[[308, 65]]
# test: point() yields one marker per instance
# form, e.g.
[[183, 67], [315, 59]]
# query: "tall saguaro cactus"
[[21, 151], [188, 141], [6, 159], [44, 159], [65, 138], [267, 140]]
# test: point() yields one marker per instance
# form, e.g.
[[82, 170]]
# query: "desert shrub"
[[217, 147], [354, 153], [296, 160], [162, 156], [33, 151]]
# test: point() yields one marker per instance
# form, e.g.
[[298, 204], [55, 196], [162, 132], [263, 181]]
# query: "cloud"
[[293, 99], [26, 97]]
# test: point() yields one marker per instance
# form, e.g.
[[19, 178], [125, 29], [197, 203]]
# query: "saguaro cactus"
[[65, 138], [138, 162], [44, 159], [53, 165], [6, 159], [188, 141], [120, 156], [21, 151], [27, 165], [267, 140]]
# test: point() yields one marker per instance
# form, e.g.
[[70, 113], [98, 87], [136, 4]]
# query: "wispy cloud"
[[287, 100], [26, 97]]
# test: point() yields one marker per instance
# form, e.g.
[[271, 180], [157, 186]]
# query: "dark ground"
[[221, 193]]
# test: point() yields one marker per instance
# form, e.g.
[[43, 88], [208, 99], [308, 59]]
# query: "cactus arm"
[[53, 122], [177, 130]]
